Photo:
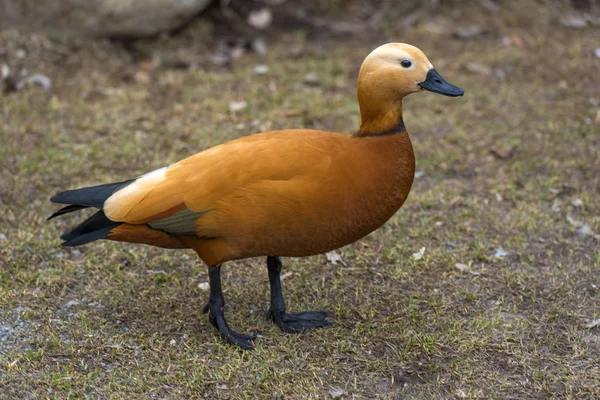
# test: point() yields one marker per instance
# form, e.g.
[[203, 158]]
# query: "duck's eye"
[[406, 63]]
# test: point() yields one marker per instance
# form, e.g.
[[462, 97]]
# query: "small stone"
[[259, 46], [574, 21], [556, 206], [204, 286], [219, 58], [419, 174], [71, 303], [469, 32], [260, 19], [462, 267], [577, 202], [336, 393], [173, 342], [479, 69], [500, 253], [2, 236], [240, 126], [261, 69], [593, 324], [585, 230], [36, 79], [597, 52], [311, 79], [142, 77], [4, 72], [573, 222], [235, 106]]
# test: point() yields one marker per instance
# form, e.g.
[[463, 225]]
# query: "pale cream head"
[[388, 74], [401, 66]]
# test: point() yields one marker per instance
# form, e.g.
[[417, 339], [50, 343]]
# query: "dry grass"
[[502, 169]]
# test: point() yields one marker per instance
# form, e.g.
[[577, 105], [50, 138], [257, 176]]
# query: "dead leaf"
[[593, 324], [419, 254], [334, 257]]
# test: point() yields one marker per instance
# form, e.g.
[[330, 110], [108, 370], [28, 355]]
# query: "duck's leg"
[[292, 323], [215, 311]]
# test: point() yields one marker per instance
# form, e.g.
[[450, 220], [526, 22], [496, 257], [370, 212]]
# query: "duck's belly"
[[303, 234]]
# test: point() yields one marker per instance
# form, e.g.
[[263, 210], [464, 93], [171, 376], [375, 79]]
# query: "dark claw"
[[238, 339], [244, 341]]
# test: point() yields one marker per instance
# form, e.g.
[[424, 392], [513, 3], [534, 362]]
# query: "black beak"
[[436, 84]]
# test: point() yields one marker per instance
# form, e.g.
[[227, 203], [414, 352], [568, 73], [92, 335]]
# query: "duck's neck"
[[377, 120]]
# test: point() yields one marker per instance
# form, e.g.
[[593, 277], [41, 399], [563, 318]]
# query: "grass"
[[502, 168]]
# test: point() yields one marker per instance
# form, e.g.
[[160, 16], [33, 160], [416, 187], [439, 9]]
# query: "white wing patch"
[[139, 187]]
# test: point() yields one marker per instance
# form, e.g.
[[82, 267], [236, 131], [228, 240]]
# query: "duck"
[[285, 193]]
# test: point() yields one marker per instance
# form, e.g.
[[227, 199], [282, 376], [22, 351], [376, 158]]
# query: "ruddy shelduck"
[[287, 193]]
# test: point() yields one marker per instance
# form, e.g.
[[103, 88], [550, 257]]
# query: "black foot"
[[214, 308], [296, 323], [217, 319]]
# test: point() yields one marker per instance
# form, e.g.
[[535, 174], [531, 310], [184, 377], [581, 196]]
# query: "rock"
[[260, 19], [597, 52], [500, 253], [470, 32], [577, 202], [4, 72], [336, 393], [311, 79], [204, 286], [36, 79], [574, 21], [261, 69], [259, 46], [107, 18], [585, 230], [593, 324], [237, 106], [479, 69]]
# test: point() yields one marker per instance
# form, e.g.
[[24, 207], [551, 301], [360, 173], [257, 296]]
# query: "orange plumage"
[[283, 193]]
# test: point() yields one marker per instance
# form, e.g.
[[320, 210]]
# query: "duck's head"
[[391, 72]]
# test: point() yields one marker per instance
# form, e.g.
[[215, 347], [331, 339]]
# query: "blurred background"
[[484, 284]]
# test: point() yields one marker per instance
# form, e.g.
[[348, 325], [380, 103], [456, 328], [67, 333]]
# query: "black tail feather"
[[93, 196], [95, 227], [98, 225], [66, 210]]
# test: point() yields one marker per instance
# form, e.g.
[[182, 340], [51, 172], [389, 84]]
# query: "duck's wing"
[[173, 198]]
